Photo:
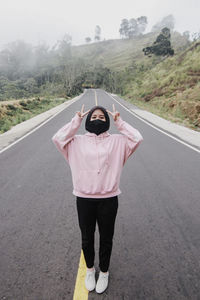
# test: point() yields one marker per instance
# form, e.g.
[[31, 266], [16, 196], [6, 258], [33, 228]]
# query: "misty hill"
[[120, 53], [167, 86]]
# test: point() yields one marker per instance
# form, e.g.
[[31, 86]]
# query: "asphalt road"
[[156, 249]]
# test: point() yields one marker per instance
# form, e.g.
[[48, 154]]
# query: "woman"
[[96, 160]]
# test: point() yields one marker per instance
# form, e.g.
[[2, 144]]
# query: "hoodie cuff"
[[118, 122], [77, 119]]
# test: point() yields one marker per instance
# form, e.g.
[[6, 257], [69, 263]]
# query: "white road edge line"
[[169, 135], [21, 138]]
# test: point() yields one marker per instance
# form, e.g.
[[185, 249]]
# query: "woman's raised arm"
[[132, 135], [65, 134]]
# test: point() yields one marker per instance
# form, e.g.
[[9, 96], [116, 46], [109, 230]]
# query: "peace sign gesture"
[[115, 114], [81, 113]]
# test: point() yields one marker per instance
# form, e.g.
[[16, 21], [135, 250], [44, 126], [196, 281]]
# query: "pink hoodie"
[[96, 162]]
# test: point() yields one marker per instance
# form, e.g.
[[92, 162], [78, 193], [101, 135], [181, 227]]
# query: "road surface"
[[156, 248]]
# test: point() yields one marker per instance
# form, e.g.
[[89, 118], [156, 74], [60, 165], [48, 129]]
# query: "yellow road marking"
[[96, 97], [80, 291]]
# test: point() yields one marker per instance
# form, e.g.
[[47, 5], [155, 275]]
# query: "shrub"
[[23, 103], [12, 107]]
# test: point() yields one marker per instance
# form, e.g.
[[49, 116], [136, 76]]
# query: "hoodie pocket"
[[89, 182], [92, 182]]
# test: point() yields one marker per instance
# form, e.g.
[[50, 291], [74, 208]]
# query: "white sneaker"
[[90, 282], [102, 282]]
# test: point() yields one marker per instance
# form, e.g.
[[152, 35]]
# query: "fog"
[[47, 21]]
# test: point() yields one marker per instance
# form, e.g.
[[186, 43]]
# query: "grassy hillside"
[[171, 88], [119, 54], [13, 112]]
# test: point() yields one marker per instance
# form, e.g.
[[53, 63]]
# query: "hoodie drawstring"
[[97, 155]]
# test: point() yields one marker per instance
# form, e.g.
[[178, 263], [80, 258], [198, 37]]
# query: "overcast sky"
[[36, 21]]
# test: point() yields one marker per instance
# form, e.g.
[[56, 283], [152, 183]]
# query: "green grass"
[[16, 114], [119, 54]]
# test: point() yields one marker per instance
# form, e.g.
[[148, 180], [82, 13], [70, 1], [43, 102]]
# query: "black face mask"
[[97, 126]]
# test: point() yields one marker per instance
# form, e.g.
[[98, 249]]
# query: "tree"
[[64, 46], [88, 39], [31, 86], [97, 36], [41, 56], [195, 36], [186, 34], [133, 27], [124, 28], [167, 21], [161, 46], [141, 24], [16, 60]]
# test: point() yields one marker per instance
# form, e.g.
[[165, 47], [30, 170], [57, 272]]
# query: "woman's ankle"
[[104, 272], [90, 269]]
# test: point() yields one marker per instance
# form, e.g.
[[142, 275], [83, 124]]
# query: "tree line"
[[136, 27], [27, 70]]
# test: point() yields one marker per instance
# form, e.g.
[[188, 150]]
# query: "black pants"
[[103, 211]]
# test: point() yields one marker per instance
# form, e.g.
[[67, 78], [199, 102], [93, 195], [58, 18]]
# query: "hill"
[[166, 86], [120, 53], [171, 88]]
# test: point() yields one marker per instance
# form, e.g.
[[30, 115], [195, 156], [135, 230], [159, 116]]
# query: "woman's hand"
[[81, 113], [115, 114]]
